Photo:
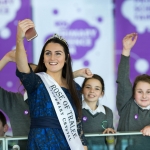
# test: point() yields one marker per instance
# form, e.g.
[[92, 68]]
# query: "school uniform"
[[132, 116], [13, 105], [96, 122]]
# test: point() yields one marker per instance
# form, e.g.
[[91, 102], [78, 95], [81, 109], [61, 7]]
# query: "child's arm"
[[10, 56], [85, 72], [109, 139], [146, 131], [85, 147], [109, 130], [124, 89]]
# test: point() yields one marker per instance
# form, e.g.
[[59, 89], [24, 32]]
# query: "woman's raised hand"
[[23, 26]]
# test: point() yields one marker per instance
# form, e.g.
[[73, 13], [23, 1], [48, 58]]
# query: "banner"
[[134, 16], [87, 26], [11, 11]]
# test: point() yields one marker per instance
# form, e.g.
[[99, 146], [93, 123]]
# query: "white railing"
[[114, 134]]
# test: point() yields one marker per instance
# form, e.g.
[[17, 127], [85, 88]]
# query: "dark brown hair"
[[2, 119]]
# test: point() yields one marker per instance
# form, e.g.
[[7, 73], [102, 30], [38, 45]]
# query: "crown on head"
[[58, 37]]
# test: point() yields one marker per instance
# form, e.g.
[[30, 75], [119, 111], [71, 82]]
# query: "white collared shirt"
[[25, 95], [148, 107], [99, 109]]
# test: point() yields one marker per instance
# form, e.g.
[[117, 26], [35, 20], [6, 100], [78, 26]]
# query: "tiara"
[[58, 37]]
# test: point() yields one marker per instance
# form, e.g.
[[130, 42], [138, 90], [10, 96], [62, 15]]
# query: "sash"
[[64, 111]]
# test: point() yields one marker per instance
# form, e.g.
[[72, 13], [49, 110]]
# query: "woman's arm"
[[21, 57], [10, 56]]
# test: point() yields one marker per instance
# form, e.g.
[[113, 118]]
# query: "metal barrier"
[[116, 141], [15, 142], [114, 134]]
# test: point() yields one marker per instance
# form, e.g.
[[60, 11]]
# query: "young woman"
[[53, 96]]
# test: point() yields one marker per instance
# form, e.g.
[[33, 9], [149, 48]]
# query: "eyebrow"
[[55, 51], [95, 86], [98, 87], [142, 90]]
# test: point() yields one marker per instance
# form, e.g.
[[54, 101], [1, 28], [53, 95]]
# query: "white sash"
[[64, 111]]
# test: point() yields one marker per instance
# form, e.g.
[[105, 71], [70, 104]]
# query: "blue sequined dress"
[[40, 105]]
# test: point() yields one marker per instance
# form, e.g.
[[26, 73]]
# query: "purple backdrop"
[[8, 79], [134, 16]]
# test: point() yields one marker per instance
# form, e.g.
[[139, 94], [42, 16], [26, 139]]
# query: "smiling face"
[[54, 58], [92, 90], [142, 94]]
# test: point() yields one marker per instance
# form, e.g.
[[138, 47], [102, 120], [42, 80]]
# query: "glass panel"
[[16, 143], [118, 141], [2, 146]]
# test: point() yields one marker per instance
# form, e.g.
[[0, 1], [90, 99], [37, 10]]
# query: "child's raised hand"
[[85, 72], [109, 130], [10, 56], [146, 131], [128, 42]]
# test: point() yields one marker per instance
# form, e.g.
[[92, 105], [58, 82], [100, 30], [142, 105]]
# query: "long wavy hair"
[[66, 70]]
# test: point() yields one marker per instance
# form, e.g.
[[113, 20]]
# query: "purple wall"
[[8, 79], [134, 16]]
